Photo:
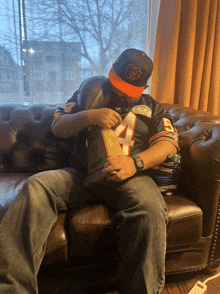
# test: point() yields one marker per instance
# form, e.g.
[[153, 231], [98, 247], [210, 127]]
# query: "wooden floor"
[[182, 284], [105, 281]]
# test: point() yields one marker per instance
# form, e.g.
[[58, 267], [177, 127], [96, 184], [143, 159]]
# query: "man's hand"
[[103, 117], [119, 168]]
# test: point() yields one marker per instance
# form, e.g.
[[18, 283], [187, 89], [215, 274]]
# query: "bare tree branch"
[[103, 27]]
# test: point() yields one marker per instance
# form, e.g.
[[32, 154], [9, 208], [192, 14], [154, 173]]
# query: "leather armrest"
[[199, 139]]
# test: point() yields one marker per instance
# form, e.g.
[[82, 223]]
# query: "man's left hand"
[[119, 168]]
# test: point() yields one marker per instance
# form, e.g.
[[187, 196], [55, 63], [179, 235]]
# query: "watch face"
[[139, 163]]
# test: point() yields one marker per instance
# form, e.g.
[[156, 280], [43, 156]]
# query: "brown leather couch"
[[27, 146]]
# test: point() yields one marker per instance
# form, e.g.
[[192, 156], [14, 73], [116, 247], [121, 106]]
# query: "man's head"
[[130, 73]]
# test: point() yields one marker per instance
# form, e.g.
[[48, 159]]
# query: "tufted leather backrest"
[[26, 140]]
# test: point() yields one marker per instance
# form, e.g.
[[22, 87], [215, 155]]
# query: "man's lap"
[[67, 183]]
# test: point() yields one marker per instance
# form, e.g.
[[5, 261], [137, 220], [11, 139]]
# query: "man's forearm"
[[157, 153], [121, 167], [69, 125]]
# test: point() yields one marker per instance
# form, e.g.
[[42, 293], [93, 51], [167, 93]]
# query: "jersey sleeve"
[[69, 107], [162, 127]]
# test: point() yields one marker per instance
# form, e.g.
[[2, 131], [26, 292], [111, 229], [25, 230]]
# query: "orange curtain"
[[187, 54]]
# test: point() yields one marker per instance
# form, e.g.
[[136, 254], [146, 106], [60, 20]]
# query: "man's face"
[[122, 95]]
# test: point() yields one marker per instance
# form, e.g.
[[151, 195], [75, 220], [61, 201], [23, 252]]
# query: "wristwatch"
[[138, 162]]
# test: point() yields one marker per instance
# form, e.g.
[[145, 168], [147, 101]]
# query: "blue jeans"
[[140, 213]]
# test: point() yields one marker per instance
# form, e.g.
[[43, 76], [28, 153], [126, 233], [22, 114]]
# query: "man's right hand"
[[103, 117]]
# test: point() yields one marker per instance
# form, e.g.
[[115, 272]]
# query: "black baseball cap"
[[130, 72]]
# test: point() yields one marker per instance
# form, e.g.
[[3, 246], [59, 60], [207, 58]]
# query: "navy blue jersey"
[[144, 122]]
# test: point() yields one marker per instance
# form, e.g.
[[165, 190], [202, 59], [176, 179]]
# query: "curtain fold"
[[187, 54], [153, 7]]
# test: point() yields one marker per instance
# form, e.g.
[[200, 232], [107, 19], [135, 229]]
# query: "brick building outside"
[[51, 70]]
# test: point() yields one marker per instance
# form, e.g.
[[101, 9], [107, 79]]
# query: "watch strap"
[[138, 162]]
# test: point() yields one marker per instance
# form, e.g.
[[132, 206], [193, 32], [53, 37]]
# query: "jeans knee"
[[152, 216], [40, 198], [61, 187], [34, 189]]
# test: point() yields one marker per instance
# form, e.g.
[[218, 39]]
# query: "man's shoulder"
[[73, 98], [70, 106], [146, 99], [150, 101], [158, 110]]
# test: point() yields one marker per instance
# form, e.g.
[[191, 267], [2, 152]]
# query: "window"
[[75, 39], [37, 75], [70, 75], [50, 58]]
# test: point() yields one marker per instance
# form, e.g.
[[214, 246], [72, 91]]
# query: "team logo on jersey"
[[133, 73], [142, 109]]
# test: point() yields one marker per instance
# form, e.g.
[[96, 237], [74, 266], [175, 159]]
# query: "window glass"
[[48, 47]]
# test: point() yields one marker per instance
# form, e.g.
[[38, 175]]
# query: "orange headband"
[[124, 87]]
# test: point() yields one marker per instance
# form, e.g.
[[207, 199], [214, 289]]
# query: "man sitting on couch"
[[146, 134]]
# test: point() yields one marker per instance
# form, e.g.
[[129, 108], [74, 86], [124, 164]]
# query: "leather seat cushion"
[[57, 245], [91, 229], [185, 221]]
